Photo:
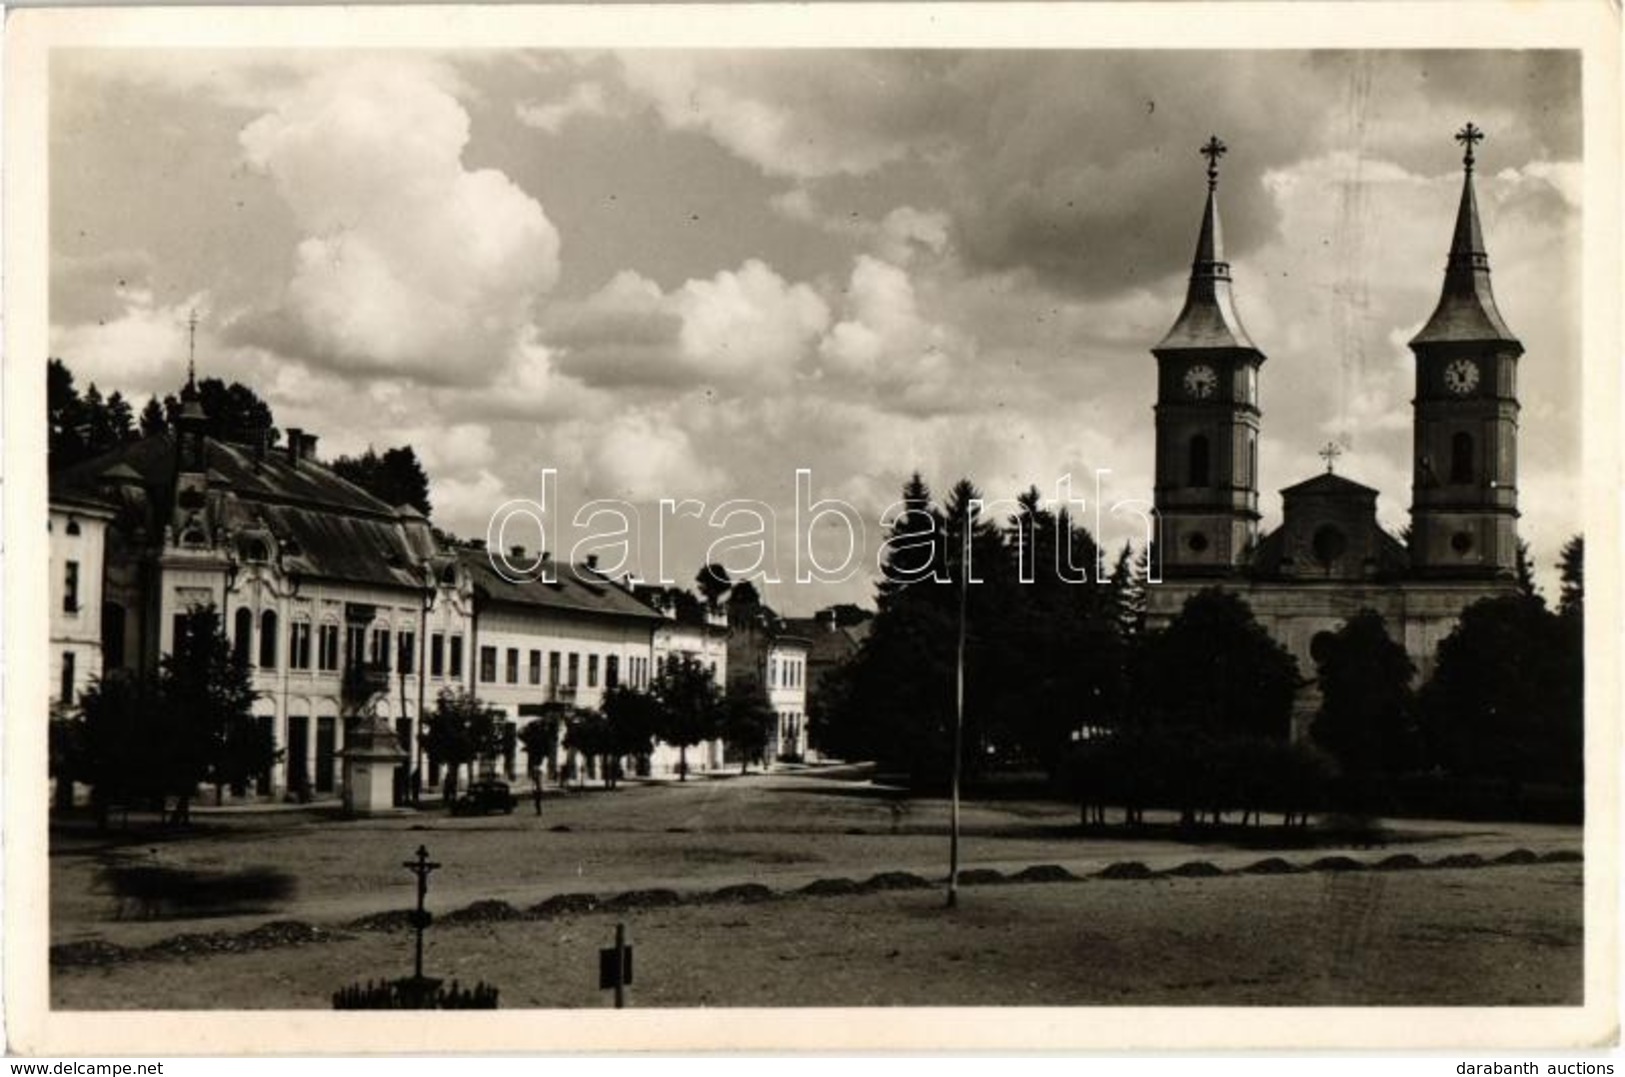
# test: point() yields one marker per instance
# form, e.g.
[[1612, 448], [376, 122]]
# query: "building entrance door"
[[326, 747], [298, 755], [262, 784]]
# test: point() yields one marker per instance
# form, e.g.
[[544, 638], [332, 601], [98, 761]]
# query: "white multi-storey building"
[[695, 631], [559, 639], [78, 529], [764, 653], [340, 604]]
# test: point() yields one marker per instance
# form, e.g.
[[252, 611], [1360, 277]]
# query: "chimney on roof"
[[592, 562], [308, 450], [547, 555], [826, 620], [516, 552], [296, 444]]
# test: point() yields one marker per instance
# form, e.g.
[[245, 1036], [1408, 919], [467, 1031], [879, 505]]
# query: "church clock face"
[[1200, 381], [1461, 376]]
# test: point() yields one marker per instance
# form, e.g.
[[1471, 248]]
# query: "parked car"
[[483, 797]]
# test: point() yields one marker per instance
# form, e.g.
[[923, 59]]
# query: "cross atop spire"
[[1330, 454], [1213, 149], [1466, 310], [1209, 318], [1469, 137]]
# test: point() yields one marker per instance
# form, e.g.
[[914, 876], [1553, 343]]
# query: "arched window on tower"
[[242, 634], [1198, 470], [268, 640], [1461, 458]]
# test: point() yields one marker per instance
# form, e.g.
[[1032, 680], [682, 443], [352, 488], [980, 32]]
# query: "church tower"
[[1464, 491], [1207, 416]]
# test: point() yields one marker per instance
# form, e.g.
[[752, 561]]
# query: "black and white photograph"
[[766, 526]]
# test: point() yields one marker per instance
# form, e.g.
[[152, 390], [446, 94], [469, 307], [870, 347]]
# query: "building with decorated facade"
[[352, 615]]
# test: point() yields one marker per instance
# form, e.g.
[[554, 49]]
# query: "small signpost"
[[615, 967], [420, 918]]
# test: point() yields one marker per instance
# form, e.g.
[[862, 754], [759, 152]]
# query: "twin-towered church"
[[1329, 558]]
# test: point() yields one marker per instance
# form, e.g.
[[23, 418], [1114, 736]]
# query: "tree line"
[[150, 738], [1197, 715], [84, 425], [145, 738], [682, 706]]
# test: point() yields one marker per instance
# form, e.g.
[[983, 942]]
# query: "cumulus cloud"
[[800, 114], [902, 234], [582, 99], [742, 327], [965, 264], [139, 349], [1076, 166], [98, 286], [411, 262], [884, 340]]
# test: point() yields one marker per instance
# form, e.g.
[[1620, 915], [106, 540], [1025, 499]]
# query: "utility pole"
[[959, 716]]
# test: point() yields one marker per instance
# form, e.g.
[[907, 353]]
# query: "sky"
[[688, 275]]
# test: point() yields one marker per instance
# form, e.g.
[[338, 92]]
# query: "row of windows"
[[571, 664], [445, 654], [382, 648], [784, 673]]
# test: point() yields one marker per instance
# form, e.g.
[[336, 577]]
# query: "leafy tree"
[[458, 731], [1368, 710], [1506, 696], [540, 737], [62, 414], [1214, 667], [747, 722], [65, 755], [120, 419], [79, 427], [1127, 589], [832, 725], [743, 597], [233, 412], [152, 418], [1044, 646], [849, 615], [247, 751], [913, 544], [632, 717], [99, 431], [151, 736], [207, 690], [589, 735], [713, 583], [690, 707], [1047, 659], [1571, 571], [1526, 572], [396, 477], [114, 744], [898, 690]]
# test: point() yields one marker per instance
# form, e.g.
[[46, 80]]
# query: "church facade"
[[1330, 558]]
